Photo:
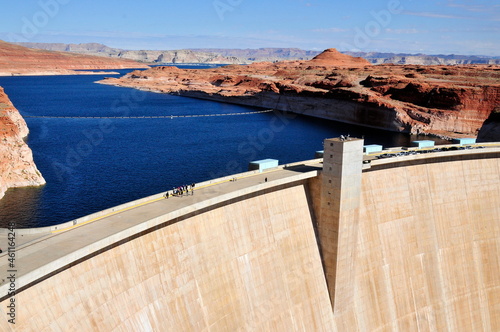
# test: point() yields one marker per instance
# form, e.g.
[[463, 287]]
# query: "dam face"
[[409, 244], [428, 247], [251, 265]]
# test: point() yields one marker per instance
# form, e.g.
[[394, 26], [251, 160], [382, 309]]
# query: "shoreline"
[[432, 101], [56, 73], [247, 101]]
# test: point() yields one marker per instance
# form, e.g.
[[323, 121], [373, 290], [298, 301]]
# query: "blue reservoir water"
[[93, 164]]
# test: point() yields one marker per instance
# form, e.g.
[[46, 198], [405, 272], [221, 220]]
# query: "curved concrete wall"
[[426, 258], [252, 265], [428, 249]]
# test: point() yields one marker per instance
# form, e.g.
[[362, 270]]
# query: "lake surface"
[[94, 163]]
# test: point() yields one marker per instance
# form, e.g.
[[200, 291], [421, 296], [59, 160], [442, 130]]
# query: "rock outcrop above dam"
[[19, 60], [439, 100], [17, 168], [490, 131]]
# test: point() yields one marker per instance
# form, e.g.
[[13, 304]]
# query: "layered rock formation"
[[439, 100], [425, 59], [178, 56], [148, 56], [17, 168], [18, 60], [263, 54]]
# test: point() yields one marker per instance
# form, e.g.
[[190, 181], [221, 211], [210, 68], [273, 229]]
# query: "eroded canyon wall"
[[17, 168]]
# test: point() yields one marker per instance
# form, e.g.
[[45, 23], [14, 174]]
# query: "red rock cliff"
[[447, 101], [17, 168]]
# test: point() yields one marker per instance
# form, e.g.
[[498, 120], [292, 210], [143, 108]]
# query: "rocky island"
[[446, 101], [17, 168]]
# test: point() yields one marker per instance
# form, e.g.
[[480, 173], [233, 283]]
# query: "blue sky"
[[408, 26]]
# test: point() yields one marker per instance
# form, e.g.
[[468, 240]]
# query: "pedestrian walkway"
[[38, 255]]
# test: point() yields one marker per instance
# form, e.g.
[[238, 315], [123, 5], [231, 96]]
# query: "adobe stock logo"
[[223, 6], [48, 9]]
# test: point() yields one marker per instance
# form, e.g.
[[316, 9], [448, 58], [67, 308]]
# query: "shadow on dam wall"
[[423, 254]]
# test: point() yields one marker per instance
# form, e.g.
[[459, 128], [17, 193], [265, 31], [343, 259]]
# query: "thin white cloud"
[[434, 15], [100, 34], [494, 29], [405, 31], [475, 8], [330, 30]]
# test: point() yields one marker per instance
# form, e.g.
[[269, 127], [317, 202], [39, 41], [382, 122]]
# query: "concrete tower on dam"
[[349, 242], [339, 216]]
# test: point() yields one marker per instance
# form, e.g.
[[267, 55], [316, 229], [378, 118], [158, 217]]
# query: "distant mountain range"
[[245, 56], [424, 59], [263, 54], [146, 56]]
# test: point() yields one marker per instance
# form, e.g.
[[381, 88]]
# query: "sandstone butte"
[[19, 60], [445, 101], [17, 168]]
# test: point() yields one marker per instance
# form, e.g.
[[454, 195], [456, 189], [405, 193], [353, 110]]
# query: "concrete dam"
[[348, 242]]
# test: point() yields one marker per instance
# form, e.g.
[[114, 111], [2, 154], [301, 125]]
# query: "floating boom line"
[[146, 116]]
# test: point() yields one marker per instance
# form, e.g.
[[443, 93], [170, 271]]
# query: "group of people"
[[345, 138], [181, 190]]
